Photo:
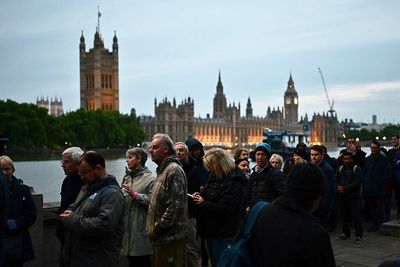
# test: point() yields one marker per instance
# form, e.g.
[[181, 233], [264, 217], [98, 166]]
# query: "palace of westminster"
[[99, 89]]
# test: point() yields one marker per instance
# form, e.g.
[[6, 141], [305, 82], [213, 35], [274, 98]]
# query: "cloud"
[[350, 93]]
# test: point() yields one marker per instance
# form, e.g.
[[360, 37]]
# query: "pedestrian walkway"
[[374, 249]]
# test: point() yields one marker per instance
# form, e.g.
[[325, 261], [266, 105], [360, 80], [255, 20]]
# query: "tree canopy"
[[29, 126]]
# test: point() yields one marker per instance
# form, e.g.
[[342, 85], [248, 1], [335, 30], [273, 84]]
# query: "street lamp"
[[357, 139], [377, 138], [384, 138]]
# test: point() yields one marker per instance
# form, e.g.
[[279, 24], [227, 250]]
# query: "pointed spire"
[[82, 37], [115, 39], [290, 86], [290, 78], [249, 109], [220, 87], [82, 46], [115, 42]]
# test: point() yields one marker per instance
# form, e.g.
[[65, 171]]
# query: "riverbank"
[[20, 154]]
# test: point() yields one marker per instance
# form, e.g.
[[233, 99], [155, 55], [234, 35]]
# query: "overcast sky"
[[176, 48]]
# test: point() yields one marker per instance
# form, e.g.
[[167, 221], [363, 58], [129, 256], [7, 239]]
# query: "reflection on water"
[[46, 176]]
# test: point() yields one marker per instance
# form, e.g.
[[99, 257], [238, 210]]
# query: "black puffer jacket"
[[265, 185], [222, 210]]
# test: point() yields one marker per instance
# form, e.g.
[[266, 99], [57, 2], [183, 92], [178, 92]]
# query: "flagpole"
[[98, 19]]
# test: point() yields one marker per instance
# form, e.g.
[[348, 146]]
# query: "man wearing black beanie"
[[286, 233], [266, 183]]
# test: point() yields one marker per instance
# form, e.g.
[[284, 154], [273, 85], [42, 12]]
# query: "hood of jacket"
[[192, 143]]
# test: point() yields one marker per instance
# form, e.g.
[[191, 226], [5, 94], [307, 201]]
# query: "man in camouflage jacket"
[[168, 211]]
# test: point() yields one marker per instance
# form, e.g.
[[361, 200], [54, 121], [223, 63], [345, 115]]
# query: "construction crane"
[[331, 110]]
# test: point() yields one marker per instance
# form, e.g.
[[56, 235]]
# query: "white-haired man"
[[71, 185]]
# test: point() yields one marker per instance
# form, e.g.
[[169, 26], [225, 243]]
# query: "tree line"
[[30, 126], [385, 134]]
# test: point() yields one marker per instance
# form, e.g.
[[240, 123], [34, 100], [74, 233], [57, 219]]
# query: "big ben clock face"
[[295, 100], [288, 100]]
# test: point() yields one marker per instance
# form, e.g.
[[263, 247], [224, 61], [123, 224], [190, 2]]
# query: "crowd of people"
[[195, 204]]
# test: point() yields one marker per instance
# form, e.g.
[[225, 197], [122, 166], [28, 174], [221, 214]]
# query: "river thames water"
[[46, 176]]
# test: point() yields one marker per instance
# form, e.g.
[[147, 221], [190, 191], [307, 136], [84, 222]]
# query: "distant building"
[[227, 127], [291, 104], [324, 129], [374, 120], [99, 85], [54, 107], [42, 103]]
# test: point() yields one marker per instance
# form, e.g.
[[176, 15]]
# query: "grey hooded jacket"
[[95, 227]]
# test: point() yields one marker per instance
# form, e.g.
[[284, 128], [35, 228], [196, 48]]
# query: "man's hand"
[[340, 188], [64, 215]]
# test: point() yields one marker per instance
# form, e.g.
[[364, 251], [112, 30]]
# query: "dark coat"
[[193, 184], [375, 174], [350, 178], [393, 166], [328, 197], [223, 207], [3, 211], [22, 210], [266, 185], [191, 143], [286, 235], [70, 189]]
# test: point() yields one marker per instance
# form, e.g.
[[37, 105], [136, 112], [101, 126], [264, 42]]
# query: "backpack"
[[354, 169], [236, 254]]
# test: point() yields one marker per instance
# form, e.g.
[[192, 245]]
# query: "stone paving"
[[374, 249]]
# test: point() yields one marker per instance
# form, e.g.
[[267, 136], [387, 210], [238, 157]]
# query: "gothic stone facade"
[[227, 127], [99, 85], [54, 107]]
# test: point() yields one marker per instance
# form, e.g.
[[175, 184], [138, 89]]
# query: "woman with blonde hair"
[[276, 161], [220, 203]]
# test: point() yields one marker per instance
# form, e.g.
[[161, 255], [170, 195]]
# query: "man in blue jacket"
[[376, 172]]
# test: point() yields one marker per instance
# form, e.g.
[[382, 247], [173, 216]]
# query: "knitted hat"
[[263, 147], [305, 182]]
